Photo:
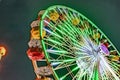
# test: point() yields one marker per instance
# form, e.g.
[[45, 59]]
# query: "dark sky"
[[16, 16]]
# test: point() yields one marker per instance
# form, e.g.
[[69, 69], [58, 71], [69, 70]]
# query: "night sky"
[[15, 19]]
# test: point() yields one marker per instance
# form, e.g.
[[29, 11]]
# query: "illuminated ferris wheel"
[[73, 47]]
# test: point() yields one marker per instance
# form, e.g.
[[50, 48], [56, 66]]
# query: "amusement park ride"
[[72, 46]]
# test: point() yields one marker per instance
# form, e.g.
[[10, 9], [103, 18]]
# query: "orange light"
[[2, 51]]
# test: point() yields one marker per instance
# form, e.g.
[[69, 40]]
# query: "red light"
[[35, 54]]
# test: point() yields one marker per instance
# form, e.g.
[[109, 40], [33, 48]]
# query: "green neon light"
[[62, 48]]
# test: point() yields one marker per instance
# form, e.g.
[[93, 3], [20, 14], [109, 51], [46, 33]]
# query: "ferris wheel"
[[73, 47]]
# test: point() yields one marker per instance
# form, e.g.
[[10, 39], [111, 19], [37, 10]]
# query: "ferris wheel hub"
[[92, 53]]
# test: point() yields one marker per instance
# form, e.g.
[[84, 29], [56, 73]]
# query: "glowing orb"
[[2, 51]]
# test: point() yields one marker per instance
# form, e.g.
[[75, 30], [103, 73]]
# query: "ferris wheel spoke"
[[52, 33], [86, 30], [113, 63], [55, 61], [67, 30], [62, 34], [62, 53], [68, 20], [115, 68], [81, 75], [76, 75], [64, 65], [109, 68], [56, 51], [56, 42], [104, 73], [72, 30], [67, 26], [84, 72], [61, 50], [74, 69]]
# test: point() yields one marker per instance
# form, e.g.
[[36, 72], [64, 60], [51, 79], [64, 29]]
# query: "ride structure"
[[72, 46]]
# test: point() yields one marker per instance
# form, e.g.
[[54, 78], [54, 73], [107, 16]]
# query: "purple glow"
[[104, 49]]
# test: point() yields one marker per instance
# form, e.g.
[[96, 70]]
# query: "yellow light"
[[96, 35], [35, 34], [76, 21], [43, 33], [115, 58], [54, 16], [2, 51]]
